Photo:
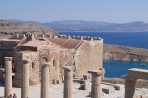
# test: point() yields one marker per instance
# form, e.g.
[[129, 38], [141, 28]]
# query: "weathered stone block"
[[85, 77], [116, 87], [138, 73], [108, 90]]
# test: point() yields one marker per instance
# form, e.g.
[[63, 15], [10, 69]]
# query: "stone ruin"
[[81, 53], [68, 80], [43, 59]]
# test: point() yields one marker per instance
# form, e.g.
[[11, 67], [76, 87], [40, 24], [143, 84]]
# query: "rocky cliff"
[[125, 53]]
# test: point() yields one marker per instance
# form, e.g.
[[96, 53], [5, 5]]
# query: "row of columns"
[[8, 78], [44, 79], [68, 80]]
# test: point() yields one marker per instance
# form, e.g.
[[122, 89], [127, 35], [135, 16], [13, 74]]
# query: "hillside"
[[79, 25], [11, 27], [125, 53]]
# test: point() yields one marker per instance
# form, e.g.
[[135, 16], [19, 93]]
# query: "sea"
[[116, 69]]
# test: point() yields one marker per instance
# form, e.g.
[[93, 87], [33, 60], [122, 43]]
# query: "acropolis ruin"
[[82, 53]]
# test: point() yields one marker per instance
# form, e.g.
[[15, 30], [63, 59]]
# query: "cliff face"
[[125, 53]]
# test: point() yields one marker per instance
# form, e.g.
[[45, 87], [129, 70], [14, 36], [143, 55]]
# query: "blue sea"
[[134, 39]]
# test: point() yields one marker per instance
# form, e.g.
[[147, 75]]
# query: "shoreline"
[[125, 53]]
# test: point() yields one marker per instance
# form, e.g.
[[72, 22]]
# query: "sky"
[[115, 11]]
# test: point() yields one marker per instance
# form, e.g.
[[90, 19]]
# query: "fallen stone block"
[[108, 90], [116, 87], [85, 77]]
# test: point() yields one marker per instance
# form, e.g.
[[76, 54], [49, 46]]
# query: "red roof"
[[66, 43]]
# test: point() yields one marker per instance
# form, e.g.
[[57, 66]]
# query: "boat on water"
[[142, 64]]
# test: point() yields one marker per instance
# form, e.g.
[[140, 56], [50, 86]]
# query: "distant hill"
[[79, 25], [7, 26]]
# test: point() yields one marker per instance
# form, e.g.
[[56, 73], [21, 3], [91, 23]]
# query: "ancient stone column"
[[25, 79], [96, 83], [58, 70], [8, 76], [68, 80], [45, 80], [130, 85], [82, 37]]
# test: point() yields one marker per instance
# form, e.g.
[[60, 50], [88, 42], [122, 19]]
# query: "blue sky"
[[119, 11]]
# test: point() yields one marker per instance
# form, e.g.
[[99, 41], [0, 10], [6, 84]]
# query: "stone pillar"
[[33, 37], [8, 76], [130, 85], [69, 37], [17, 35], [92, 38], [96, 83], [58, 70], [51, 36], [24, 35], [68, 80], [25, 79], [45, 80], [82, 37]]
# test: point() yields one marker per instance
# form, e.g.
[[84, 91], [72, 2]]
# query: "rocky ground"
[[56, 91]]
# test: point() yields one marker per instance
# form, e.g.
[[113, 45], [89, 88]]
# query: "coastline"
[[125, 53]]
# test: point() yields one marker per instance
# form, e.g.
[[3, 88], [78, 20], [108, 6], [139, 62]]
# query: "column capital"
[[126, 77], [8, 58], [96, 72], [68, 68], [24, 61], [45, 64]]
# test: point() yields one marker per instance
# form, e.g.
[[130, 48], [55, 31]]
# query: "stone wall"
[[3, 54], [34, 67], [7, 44], [57, 58], [89, 56], [7, 49]]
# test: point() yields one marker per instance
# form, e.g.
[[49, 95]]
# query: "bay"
[[115, 69]]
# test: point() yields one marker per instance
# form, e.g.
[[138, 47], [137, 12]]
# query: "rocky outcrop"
[[124, 53]]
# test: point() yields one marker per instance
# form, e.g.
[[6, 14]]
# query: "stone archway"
[[130, 80]]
